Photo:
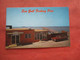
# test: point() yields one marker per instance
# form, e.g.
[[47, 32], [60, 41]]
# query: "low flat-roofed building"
[[24, 35]]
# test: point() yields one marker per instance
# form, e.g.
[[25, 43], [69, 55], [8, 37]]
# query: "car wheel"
[[55, 40]]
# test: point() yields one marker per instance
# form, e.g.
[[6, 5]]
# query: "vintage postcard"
[[37, 27]]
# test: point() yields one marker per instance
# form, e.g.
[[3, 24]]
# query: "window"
[[44, 35], [27, 35], [40, 36], [37, 36]]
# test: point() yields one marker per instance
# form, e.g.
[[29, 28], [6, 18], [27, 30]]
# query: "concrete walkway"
[[42, 44]]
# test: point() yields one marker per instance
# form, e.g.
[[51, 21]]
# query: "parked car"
[[59, 37]]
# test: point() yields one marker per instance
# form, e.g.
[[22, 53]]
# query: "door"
[[15, 39], [40, 36]]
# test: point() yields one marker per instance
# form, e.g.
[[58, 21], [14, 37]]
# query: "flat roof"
[[18, 29], [36, 30], [39, 30]]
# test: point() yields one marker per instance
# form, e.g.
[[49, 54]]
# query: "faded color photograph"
[[37, 27]]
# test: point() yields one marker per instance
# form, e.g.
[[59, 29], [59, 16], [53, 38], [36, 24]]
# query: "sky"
[[15, 17]]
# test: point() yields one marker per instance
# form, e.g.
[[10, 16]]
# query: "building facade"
[[24, 36]]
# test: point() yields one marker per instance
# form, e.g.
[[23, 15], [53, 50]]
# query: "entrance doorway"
[[15, 39]]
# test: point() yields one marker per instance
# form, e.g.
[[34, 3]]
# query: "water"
[[52, 28]]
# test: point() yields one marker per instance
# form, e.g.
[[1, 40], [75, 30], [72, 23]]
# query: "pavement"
[[45, 44]]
